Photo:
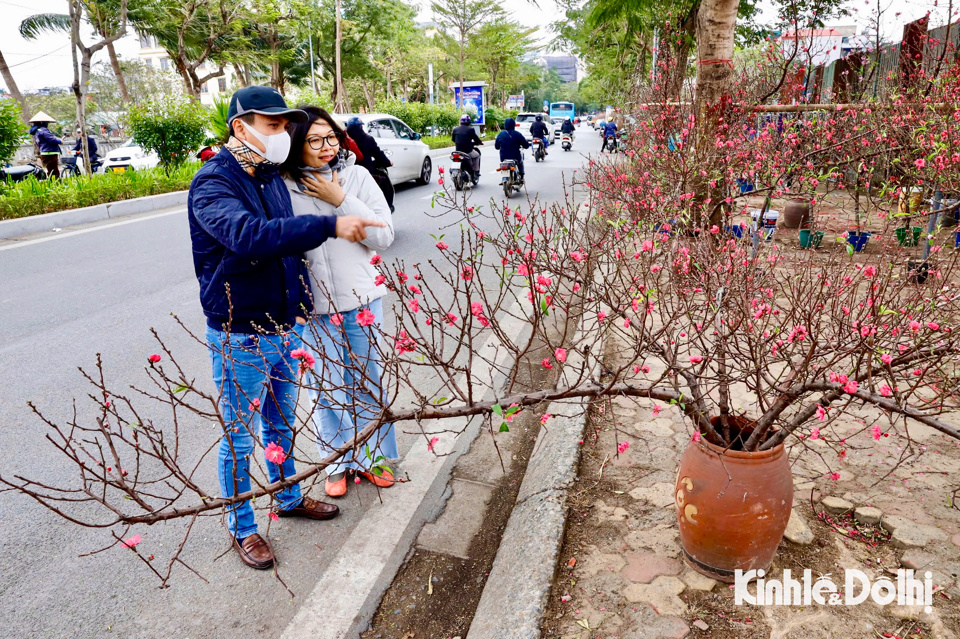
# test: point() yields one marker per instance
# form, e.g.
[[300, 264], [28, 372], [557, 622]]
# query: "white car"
[[526, 120], [129, 157], [410, 157]]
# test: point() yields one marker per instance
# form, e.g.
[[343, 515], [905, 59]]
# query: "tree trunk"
[[371, 99], [239, 72], [12, 87], [79, 80], [716, 21], [121, 83], [463, 43], [389, 84], [338, 88]]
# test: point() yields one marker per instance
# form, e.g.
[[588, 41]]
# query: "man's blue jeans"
[[346, 392], [246, 368]]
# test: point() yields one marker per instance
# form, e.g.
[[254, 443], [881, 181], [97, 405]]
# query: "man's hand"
[[354, 229]]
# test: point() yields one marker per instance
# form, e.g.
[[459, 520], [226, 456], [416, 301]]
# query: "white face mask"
[[276, 147]]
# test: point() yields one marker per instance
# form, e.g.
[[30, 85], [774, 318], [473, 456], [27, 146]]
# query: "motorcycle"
[[71, 168], [22, 172], [510, 179], [566, 142], [610, 144], [463, 176], [539, 152]]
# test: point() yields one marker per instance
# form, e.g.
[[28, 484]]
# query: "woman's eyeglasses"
[[316, 142]]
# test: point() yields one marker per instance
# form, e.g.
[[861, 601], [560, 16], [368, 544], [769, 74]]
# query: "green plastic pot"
[[906, 240], [810, 239]]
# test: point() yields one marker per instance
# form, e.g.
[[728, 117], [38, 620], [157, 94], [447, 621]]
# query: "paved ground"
[[622, 573], [98, 289]]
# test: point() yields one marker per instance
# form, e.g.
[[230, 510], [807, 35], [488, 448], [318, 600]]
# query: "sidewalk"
[[621, 572]]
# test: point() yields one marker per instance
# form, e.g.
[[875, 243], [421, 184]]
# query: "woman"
[[345, 293]]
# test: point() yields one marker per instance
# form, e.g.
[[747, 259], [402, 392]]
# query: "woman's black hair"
[[298, 137]]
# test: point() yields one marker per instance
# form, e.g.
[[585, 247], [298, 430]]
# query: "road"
[[99, 289]]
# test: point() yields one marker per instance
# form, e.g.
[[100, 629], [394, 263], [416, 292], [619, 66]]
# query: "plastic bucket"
[[810, 239]]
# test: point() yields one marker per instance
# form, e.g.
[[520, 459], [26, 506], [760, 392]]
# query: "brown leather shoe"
[[255, 552], [311, 509]]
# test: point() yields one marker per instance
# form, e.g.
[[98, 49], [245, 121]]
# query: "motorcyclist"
[[510, 142], [539, 130], [609, 129], [466, 140], [567, 127], [372, 158], [91, 144]]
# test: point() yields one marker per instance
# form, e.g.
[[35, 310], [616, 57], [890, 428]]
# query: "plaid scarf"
[[247, 158]]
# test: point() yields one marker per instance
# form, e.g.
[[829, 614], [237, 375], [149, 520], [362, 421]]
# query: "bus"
[[562, 110]]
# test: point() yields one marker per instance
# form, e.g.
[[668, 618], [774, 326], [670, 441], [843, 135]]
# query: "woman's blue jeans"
[[246, 368], [350, 393]]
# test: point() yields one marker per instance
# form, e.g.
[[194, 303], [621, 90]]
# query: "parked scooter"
[[510, 177], [539, 152], [566, 141], [22, 172], [462, 171]]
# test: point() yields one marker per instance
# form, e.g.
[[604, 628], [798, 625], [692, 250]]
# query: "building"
[[823, 46], [156, 57], [564, 65]]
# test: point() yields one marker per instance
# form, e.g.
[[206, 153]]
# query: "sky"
[[46, 61]]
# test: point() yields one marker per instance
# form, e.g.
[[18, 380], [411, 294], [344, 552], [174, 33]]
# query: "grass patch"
[[35, 197]]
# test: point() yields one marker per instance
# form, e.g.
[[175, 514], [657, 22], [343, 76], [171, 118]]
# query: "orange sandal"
[[337, 488], [383, 480]]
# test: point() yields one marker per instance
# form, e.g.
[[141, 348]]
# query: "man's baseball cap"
[[263, 100]]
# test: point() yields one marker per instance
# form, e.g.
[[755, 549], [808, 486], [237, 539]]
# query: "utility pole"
[[430, 80], [656, 46]]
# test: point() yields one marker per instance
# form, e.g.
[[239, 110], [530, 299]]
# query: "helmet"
[[568, 118], [464, 119], [539, 118], [354, 121]]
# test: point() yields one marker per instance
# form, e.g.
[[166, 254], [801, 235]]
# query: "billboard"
[[471, 102], [515, 102]]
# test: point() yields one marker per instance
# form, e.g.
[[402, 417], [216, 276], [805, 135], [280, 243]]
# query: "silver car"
[[410, 157]]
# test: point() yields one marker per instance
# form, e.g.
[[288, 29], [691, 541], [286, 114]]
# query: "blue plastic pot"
[[736, 231], [858, 240]]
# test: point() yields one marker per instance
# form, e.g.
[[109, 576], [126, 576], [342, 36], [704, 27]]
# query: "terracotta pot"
[[732, 506], [796, 213]]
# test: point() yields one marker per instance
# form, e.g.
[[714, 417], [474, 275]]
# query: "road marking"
[[15, 244], [339, 598]]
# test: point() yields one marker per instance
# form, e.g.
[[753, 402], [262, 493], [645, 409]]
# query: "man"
[[609, 131], [539, 130], [466, 140], [567, 128], [91, 144], [47, 143], [509, 142], [372, 158], [247, 253]]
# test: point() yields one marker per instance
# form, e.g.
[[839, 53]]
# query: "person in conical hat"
[[47, 143]]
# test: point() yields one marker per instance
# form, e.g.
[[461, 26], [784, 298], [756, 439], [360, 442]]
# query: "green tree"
[[194, 33], [12, 129], [500, 48], [174, 127], [461, 17]]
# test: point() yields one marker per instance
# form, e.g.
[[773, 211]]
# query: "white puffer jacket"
[[342, 276]]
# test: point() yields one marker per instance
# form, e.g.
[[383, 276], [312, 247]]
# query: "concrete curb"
[[514, 598], [21, 226]]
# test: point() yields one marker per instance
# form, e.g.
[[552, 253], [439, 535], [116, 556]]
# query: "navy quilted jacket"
[[246, 239]]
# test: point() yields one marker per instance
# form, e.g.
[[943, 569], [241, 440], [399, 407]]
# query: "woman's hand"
[[329, 192]]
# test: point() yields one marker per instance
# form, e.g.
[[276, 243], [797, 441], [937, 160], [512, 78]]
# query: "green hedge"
[[420, 116], [33, 197]]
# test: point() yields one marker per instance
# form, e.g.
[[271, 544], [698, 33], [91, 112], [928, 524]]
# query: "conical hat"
[[41, 117]]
